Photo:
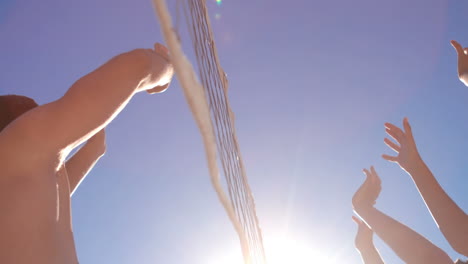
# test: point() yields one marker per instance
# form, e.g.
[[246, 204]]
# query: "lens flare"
[[219, 2], [279, 250]]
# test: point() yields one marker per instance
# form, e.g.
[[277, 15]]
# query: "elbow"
[[459, 246]]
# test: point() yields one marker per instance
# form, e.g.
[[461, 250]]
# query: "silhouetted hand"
[[364, 236], [408, 156], [366, 196], [462, 61]]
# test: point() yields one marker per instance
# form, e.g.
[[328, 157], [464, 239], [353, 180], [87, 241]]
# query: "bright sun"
[[280, 250]]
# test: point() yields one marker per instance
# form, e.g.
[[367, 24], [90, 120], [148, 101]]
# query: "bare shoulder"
[[48, 132], [24, 143]]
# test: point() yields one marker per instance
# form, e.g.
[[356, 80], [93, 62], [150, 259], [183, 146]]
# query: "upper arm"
[[90, 104]]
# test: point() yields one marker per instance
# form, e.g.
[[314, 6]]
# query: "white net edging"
[[210, 107]]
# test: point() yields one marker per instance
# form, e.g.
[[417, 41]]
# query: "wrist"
[[365, 247], [416, 167], [363, 210]]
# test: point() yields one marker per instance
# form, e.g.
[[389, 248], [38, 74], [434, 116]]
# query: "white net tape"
[[210, 107]]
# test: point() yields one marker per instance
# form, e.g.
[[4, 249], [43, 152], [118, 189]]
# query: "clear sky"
[[311, 83]]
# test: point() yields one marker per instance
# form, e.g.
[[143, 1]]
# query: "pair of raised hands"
[[365, 198], [407, 157]]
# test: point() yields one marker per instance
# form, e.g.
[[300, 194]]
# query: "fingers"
[[375, 175], [394, 131], [377, 186], [458, 48], [367, 173], [373, 178], [407, 127], [368, 181], [161, 50], [159, 46], [376, 182], [390, 158], [158, 89], [392, 145]]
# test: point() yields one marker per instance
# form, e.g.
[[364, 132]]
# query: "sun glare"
[[279, 250]]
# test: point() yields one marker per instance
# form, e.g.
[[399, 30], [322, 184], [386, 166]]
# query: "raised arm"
[[450, 219], [92, 102], [410, 246], [80, 164], [365, 245], [462, 62]]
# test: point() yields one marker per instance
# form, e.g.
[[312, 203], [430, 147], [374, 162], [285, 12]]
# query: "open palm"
[[408, 155], [366, 196]]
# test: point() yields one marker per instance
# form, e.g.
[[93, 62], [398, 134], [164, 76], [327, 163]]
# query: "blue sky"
[[311, 84]]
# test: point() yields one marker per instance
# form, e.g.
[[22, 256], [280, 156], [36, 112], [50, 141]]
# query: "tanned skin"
[[462, 62], [35, 184], [364, 243], [410, 246], [449, 217]]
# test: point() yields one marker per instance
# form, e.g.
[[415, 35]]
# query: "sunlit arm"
[[370, 255], [450, 218], [365, 244], [410, 246], [80, 164]]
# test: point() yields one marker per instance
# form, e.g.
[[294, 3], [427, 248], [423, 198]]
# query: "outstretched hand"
[[366, 196], [408, 155], [364, 236], [163, 52], [462, 61]]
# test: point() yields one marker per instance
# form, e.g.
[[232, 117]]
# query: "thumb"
[[457, 47]]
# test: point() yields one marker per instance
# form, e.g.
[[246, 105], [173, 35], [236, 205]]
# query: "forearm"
[[451, 219], [82, 162], [100, 95], [405, 242], [370, 255], [94, 100]]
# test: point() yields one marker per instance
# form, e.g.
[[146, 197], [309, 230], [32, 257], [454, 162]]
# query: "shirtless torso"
[[36, 215], [35, 218]]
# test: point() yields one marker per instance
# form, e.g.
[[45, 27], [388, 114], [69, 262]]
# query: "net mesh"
[[210, 106]]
